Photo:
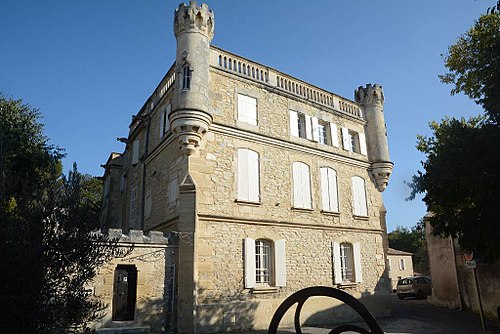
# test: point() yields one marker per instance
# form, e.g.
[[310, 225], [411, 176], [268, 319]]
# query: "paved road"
[[412, 316]]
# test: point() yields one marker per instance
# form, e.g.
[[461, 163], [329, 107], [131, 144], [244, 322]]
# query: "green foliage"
[[48, 252], [474, 64], [461, 182], [413, 241]]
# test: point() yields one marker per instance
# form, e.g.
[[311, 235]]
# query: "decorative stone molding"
[[189, 126], [381, 171]]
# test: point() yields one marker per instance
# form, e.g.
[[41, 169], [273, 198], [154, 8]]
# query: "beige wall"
[[395, 272]]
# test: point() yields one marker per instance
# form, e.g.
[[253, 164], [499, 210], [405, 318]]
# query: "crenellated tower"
[[371, 100], [190, 119]]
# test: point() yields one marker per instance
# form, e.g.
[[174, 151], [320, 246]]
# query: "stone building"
[[274, 184], [400, 265]]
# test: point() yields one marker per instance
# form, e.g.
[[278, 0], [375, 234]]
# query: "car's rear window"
[[404, 281]]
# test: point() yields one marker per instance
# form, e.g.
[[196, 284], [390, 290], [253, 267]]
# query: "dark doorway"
[[124, 292]]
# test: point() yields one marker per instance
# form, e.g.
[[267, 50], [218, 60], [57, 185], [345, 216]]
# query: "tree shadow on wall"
[[229, 313], [149, 312]]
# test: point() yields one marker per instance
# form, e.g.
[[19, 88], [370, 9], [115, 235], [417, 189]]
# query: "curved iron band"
[[301, 296]]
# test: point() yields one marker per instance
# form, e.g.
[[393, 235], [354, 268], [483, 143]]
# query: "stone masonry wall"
[[224, 303], [154, 262]]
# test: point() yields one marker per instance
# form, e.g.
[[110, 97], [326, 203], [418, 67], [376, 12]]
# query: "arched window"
[[186, 77], [301, 186], [347, 263], [263, 262], [329, 193]]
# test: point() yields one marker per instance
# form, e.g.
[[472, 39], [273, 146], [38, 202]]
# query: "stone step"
[[124, 330]]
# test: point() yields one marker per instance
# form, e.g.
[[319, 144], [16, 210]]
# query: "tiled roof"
[[392, 251]]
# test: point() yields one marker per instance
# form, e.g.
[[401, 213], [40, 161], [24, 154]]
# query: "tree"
[[48, 252], [411, 240], [461, 182], [474, 64]]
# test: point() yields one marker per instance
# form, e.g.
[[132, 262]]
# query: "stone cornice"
[[265, 140], [270, 222]]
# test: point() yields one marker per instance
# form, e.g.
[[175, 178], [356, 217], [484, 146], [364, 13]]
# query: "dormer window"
[[186, 77]]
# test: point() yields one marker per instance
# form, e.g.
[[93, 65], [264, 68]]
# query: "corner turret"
[[190, 119], [371, 100]]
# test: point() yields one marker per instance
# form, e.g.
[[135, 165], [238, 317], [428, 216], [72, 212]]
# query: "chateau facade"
[[269, 183]]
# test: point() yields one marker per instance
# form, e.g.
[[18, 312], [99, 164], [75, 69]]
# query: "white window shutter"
[[362, 143], [359, 196], [253, 176], [280, 262], [297, 183], [346, 143], [249, 263], [247, 109], [243, 177], [332, 190], [294, 123], [306, 187], [357, 262], [308, 127], [337, 274], [315, 132], [325, 196], [334, 135], [162, 123]]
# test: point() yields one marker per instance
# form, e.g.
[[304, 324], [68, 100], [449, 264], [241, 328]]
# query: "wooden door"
[[124, 292]]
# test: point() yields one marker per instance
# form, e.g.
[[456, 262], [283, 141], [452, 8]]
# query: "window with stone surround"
[[329, 193], [248, 175], [301, 186], [247, 109], [164, 122], [186, 77], [265, 263], [359, 197], [353, 141], [347, 263]]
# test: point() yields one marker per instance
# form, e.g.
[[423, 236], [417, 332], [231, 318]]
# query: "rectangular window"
[[164, 122], [136, 146], [402, 264], [247, 109], [148, 203], [301, 186], [354, 141], [323, 132], [248, 175], [186, 77], [302, 127], [173, 192], [329, 192], [359, 196], [346, 262]]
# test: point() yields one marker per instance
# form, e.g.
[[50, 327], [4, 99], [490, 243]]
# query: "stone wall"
[[153, 259], [224, 302]]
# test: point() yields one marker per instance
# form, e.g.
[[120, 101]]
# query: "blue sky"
[[90, 65]]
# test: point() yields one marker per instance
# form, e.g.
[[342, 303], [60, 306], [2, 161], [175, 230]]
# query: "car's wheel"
[[420, 294], [401, 297]]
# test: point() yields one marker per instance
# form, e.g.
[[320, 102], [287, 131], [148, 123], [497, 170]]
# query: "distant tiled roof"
[[392, 251]]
